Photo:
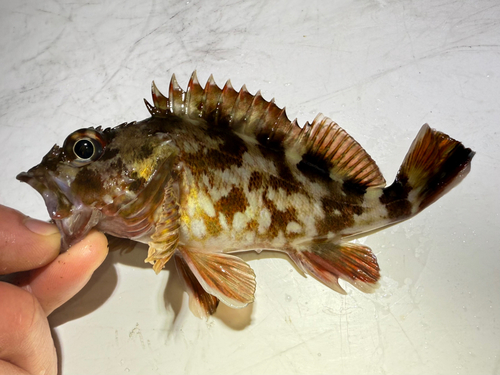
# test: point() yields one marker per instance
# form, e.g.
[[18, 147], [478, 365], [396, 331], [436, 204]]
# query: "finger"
[[25, 243], [60, 280], [25, 338]]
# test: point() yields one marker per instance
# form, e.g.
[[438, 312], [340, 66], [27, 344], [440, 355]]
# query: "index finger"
[[25, 243]]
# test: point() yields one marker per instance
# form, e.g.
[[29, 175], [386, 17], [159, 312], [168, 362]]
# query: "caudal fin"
[[434, 165]]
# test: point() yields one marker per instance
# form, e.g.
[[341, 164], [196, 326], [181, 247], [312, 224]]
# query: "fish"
[[213, 172]]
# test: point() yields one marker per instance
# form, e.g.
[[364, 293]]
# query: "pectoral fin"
[[224, 276], [328, 262], [201, 303]]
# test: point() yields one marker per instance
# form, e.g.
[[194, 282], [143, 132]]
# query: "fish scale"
[[217, 171]]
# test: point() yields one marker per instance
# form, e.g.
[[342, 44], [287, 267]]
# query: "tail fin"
[[434, 165]]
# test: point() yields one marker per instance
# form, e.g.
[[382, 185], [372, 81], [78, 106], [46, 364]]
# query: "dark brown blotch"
[[146, 151], [288, 181], [235, 201], [339, 214], [314, 168], [395, 198], [137, 184], [279, 219], [354, 190], [109, 154], [229, 153], [233, 145], [255, 181], [88, 186]]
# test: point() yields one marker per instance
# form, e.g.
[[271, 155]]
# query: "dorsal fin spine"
[[327, 145], [194, 91], [212, 94], [160, 101], [176, 96], [256, 114], [242, 106], [227, 102]]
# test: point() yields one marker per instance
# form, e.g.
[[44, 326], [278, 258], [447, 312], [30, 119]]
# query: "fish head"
[[111, 179]]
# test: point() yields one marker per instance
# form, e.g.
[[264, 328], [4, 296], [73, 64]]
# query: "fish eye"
[[84, 146], [84, 149]]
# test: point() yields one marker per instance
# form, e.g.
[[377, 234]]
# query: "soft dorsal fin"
[[323, 145]]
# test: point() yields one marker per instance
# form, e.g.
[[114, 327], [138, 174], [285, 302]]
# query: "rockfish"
[[216, 171]]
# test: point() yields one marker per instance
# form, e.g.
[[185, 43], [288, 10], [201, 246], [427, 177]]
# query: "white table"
[[380, 69]]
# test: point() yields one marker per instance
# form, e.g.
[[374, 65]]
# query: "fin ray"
[[434, 165], [326, 146], [201, 303], [224, 276], [166, 236], [328, 262]]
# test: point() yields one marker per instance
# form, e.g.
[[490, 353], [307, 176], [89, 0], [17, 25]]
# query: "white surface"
[[380, 69]]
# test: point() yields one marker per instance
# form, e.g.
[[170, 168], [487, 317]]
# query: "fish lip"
[[73, 219], [40, 179]]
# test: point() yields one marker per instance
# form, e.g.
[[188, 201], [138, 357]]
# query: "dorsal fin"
[[323, 145]]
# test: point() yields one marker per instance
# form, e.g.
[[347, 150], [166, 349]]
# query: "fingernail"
[[40, 227]]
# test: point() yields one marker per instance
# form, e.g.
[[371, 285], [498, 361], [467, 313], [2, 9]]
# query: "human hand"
[[44, 280]]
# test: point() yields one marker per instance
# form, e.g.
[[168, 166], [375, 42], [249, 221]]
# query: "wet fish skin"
[[216, 171]]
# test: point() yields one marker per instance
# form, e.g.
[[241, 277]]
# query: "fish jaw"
[[73, 219]]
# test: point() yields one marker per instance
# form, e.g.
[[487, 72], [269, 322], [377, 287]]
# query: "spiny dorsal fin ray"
[[324, 145]]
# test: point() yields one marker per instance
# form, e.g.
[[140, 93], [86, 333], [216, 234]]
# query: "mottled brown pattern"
[[288, 181], [212, 224], [232, 203], [339, 213], [145, 151], [255, 181], [253, 225], [109, 154], [160, 173], [279, 219], [230, 153]]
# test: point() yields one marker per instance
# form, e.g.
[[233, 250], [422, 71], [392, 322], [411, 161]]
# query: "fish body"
[[216, 171]]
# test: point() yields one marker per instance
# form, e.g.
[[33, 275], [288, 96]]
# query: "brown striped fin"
[[325, 146]]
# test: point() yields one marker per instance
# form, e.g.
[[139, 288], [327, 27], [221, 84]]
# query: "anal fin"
[[201, 303], [224, 276], [328, 262]]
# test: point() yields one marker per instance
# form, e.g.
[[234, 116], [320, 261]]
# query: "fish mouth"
[[73, 219]]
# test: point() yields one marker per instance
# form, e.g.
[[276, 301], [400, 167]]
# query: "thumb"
[[56, 283]]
